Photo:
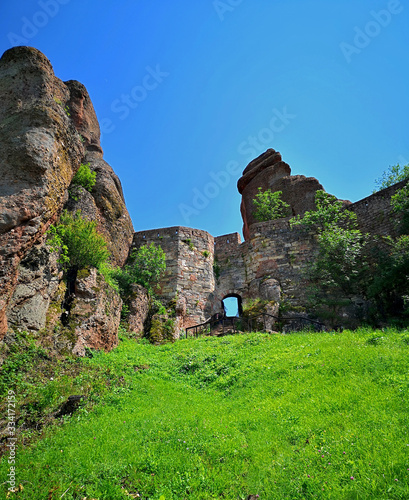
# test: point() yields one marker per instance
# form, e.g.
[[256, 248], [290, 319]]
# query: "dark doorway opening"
[[232, 305]]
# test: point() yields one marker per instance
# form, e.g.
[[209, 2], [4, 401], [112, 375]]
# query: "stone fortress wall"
[[37, 171], [269, 264], [375, 214], [189, 269]]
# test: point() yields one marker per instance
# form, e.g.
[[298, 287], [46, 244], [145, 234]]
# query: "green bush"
[[109, 273], [269, 205], [329, 214], [84, 177], [340, 269], [146, 267], [394, 174], [400, 206], [77, 240], [350, 263]]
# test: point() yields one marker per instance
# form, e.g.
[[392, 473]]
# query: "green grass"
[[284, 417]]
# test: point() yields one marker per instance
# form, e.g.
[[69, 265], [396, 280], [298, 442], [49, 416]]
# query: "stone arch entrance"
[[232, 305]]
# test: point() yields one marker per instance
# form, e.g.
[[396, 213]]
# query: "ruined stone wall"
[[282, 253], [230, 268], [273, 251], [374, 212], [270, 265], [189, 269]]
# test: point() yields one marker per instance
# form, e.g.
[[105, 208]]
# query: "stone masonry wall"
[[374, 212], [231, 269], [189, 269], [269, 265], [273, 251]]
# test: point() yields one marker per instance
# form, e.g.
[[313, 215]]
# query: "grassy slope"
[[296, 416]]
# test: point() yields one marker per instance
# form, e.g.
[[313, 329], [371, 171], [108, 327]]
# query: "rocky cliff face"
[[47, 129], [106, 203]]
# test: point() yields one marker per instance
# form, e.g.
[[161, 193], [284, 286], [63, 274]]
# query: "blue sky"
[[188, 92]]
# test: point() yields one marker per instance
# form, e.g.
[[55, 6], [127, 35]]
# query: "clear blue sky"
[[188, 89]]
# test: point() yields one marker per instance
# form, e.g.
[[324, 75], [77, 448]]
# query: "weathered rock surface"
[[268, 171], [83, 115], [163, 329], [40, 153], [95, 313], [47, 129], [138, 309], [38, 280], [107, 204]]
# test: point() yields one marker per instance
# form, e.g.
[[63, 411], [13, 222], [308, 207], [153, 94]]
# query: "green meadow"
[[298, 416]]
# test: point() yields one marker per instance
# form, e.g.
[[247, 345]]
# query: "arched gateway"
[[232, 305]]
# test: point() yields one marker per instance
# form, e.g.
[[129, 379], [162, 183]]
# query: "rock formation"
[[41, 151], [95, 313], [47, 129], [106, 203], [268, 171]]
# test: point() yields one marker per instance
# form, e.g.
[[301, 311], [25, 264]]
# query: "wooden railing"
[[241, 324]]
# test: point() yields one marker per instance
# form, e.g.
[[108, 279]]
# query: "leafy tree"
[[349, 263], [400, 205], [400, 200], [329, 213], [77, 240], [339, 270], [84, 177], [269, 205], [147, 266], [389, 287], [341, 261], [394, 174]]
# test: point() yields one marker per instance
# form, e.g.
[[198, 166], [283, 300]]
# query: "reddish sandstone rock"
[[268, 171], [107, 204], [95, 314], [47, 129], [138, 309], [83, 115], [40, 153]]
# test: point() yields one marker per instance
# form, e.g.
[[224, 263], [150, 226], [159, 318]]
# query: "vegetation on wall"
[[400, 206], [329, 214], [394, 174], [336, 275], [84, 177], [352, 267], [216, 268], [269, 205], [78, 242]]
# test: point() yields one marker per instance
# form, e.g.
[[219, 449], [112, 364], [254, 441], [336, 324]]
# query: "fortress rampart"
[[189, 268], [269, 265]]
